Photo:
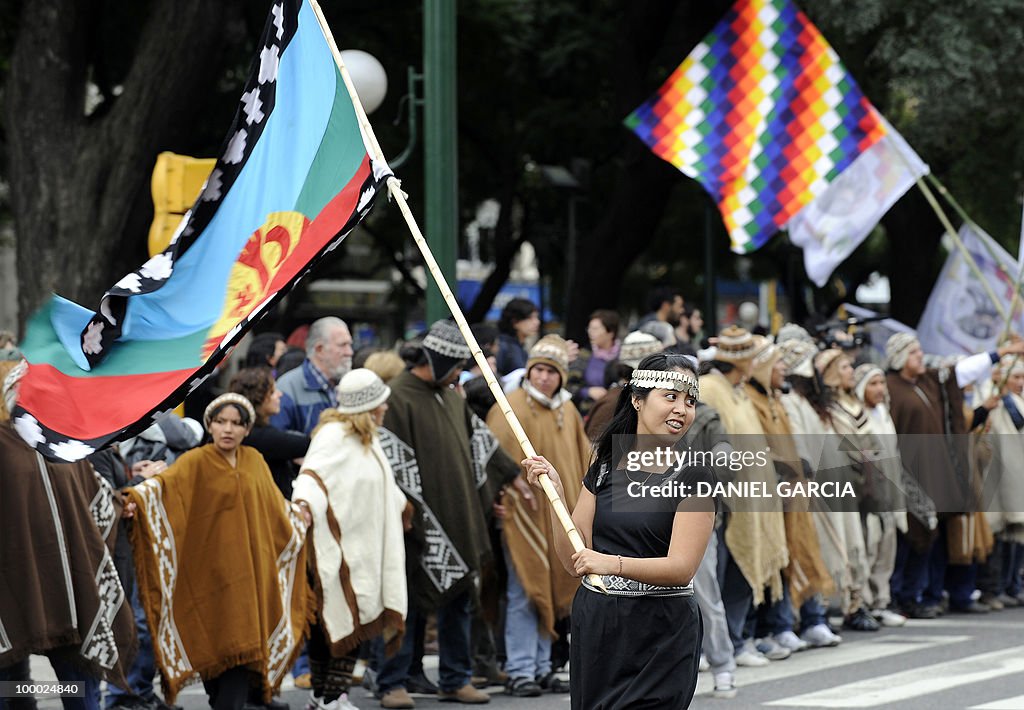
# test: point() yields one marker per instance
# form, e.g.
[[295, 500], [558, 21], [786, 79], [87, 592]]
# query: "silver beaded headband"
[[666, 380]]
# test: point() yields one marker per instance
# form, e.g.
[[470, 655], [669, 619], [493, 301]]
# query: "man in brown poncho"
[[540, 591], [930, 402]]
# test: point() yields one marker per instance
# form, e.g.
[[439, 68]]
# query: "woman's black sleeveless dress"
[[633, 652]]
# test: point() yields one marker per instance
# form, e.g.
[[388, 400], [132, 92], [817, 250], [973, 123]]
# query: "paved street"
[[974, 662]]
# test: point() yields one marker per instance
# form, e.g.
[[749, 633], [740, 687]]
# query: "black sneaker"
[[861, 620], [130, 702], [552, 683], [523, 688]]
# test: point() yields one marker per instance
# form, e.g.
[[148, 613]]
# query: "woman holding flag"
[[639, 644]]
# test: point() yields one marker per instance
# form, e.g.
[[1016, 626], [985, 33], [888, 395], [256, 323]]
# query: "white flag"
[[830, 227], [1020, 244], [960, 318]]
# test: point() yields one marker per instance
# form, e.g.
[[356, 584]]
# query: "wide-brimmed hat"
[[361, 390]]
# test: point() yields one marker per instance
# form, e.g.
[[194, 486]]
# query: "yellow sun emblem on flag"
[[252, 274]]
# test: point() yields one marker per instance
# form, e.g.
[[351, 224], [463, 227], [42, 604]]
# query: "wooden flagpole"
[[1008, 316], [971, 263], [394, 187], [974, 225]]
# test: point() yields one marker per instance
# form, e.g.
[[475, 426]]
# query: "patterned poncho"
[[221, 563], [58, 585], [449, 465], [528, 533]]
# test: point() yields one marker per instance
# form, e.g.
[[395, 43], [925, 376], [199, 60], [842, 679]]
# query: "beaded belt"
[[623, 587]]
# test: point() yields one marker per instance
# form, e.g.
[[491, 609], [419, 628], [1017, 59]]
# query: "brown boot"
[[397, 698], [466, 694]]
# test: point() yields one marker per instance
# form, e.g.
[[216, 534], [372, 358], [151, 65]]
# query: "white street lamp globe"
[[369, 77]]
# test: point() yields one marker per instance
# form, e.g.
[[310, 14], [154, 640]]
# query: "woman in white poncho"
[[883, 513], [358, 514]]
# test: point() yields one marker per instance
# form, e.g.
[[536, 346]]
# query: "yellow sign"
[[177, 181]]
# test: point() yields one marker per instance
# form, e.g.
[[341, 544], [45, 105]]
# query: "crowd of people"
[[309, 514]]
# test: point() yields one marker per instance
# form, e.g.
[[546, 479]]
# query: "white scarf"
[[560, 398], [554, 403]]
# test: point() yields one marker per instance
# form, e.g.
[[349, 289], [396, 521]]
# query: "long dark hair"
[[819, 396], [624, 421]]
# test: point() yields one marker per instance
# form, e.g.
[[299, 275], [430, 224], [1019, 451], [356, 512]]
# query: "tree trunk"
[[913, 233], [642, 186], [624, 231], [79, 184], [508, 238]]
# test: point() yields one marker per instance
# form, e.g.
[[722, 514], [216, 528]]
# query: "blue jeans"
[[812, 613], [958, 580], [1012, 557], [456, 665], [528, 648], [774, 617], [65, 672], [301, 663], [910, 576], [737, 597], [143, 670]]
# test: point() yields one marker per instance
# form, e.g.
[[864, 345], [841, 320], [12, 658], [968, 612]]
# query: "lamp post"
[[440, 149], [369, 77]]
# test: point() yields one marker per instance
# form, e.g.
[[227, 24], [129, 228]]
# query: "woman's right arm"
[[582, 514]]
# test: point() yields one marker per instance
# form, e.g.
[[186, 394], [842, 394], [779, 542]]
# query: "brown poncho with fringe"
[[806, 573], [755, 533], [221, 563], [558, 435]]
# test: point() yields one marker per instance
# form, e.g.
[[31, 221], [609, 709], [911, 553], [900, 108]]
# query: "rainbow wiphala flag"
[[763, 114]]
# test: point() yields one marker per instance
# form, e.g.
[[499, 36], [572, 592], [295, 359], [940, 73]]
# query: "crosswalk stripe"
[[896, 687], [973, 622], [1004, 704], [817, 660]]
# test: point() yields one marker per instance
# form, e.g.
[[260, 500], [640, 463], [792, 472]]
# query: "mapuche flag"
[[295, 176], [764, 115]]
